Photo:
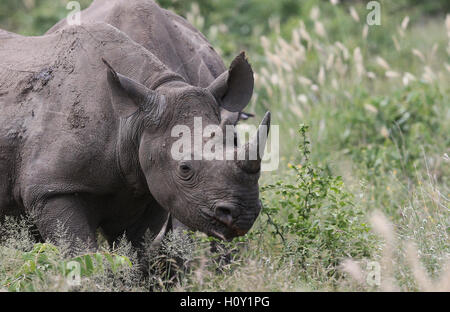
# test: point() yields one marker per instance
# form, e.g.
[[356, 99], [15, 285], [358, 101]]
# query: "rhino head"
[[219, 197]]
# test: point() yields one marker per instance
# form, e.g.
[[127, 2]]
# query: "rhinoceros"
[[173, 40], [85, 131]]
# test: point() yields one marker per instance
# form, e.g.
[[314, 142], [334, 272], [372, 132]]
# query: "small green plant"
[[45, 259], [323, 224]]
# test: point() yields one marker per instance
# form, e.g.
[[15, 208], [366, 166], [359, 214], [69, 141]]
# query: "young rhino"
[[219, 197]]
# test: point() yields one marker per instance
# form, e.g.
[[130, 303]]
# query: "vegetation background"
[[361, 198]]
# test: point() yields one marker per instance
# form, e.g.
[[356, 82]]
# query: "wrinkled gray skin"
[[175, 42], [89, 146]]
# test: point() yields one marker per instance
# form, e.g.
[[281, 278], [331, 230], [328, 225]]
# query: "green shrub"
[[323, 224]]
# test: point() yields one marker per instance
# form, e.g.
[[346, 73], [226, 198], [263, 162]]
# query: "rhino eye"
[[185, 169]]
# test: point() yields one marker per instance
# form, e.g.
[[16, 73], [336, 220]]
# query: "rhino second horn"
[[251, 154]]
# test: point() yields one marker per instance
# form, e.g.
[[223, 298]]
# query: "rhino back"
[[172, 39]]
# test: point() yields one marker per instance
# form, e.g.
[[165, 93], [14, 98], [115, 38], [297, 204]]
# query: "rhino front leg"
[[69, 219]]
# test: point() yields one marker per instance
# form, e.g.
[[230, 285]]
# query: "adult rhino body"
[[172, 39], [175, 42], [87, 147]]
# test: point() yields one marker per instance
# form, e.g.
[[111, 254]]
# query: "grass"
[[361, 199]]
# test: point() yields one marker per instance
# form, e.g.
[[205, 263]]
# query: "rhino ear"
[[234, 88], [129, 96]]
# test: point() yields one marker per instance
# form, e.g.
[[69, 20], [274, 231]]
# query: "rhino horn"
[[233, 89], [156, 243], [125, 88], [251, 154]]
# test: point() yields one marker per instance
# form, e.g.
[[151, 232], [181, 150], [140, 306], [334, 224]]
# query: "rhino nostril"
[[224, 214]]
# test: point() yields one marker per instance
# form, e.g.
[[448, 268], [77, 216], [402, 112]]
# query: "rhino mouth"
[[228, 234], [218, 235], [226, 231]]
